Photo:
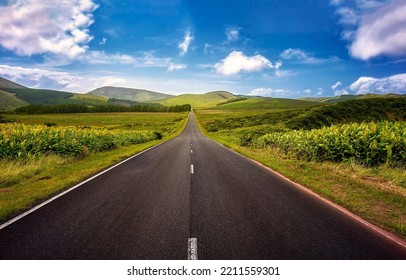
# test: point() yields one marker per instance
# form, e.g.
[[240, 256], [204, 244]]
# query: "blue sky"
[[277, 48]]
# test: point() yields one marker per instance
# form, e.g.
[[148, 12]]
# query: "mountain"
[[4, 83], [140, 95], [199, 100]]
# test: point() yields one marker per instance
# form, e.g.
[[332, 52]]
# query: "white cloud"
[[307, 91], [382, 32], [336, 85], [237, 62], [30, 27], [103, 41], [100, 57], [341, 92], [174, 66], [51, 79], [320, 91], [335, 2], [347, 16], [394, 84], [301, 56], [184, 45], [269, 92], [233, 34]]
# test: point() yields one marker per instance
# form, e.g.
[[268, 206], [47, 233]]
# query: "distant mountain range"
[[139, 95], [13, 95]]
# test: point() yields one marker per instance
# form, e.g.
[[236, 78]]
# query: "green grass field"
[[198, 100]]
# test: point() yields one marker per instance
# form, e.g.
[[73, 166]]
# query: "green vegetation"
[[370, 144], [352, 152], [32, 141], [74, 146], [9, 101], [139, 95], [199, 100], [266, 103], [41, 96], [81, 108]]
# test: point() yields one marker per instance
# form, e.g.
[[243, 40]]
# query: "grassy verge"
[[25, 184], [376, 194]]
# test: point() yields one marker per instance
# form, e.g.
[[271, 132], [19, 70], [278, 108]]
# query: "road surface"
[[151, 207]]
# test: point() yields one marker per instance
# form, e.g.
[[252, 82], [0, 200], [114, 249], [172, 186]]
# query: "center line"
[[192, 248], [191, 169], [191, 151]]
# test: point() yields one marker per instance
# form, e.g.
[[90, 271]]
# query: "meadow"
[[353, 153], [44, 154]]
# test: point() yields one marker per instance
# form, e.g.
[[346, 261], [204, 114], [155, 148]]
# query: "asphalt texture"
[[149, 206]]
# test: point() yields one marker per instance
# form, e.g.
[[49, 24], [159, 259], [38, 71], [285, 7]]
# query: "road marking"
[[191, 151], [192, 248], [191, 169], [15, 219]]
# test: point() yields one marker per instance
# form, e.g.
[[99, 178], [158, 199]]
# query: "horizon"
[[281, 49]]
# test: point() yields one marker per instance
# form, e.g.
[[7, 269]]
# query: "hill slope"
[[199, 100], [266, 103], [140, 95], [4, 83], [9, 101]]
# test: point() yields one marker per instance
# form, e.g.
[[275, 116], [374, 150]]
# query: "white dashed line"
[[192, 249], [191, 169], [191, 151]]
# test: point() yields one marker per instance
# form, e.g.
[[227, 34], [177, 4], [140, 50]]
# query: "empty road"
[[151, 207]]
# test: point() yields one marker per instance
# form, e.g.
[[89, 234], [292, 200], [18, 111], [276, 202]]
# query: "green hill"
[[4, 83], [199, 100], [343, 98], [9, 101], [139, 95], [266, 103]]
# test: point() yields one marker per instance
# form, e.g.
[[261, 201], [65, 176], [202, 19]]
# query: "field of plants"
[[369, 144], [19, 141]]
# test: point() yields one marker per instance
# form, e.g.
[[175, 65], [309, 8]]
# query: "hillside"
[[4, 83], [139, 95], [265, 103], [343, 98], [199, 100], [9, 101]]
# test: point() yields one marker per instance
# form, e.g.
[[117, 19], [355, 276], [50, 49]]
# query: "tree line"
[[81, 108]]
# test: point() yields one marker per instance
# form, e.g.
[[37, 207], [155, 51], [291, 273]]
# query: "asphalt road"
[[191, 186]]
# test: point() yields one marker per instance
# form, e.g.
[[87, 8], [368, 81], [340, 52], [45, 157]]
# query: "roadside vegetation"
[[352, 152], [46, 153]]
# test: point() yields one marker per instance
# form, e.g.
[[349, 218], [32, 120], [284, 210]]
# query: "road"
[[191, 187]]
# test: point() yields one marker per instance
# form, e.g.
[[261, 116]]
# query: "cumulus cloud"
[[184, 45], [269, 92], [382, 32], [336, 85], [30, 27], [175, 66], [237, 62], [341, 92], [301, 56], [395, 84], [320, 91]]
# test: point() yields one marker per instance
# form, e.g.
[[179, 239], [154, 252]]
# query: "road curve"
[[149, 206]]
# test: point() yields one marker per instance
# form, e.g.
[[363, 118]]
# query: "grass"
[[26, 183], [266, 103], [198, 100], [377, 194], [9, 101]]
